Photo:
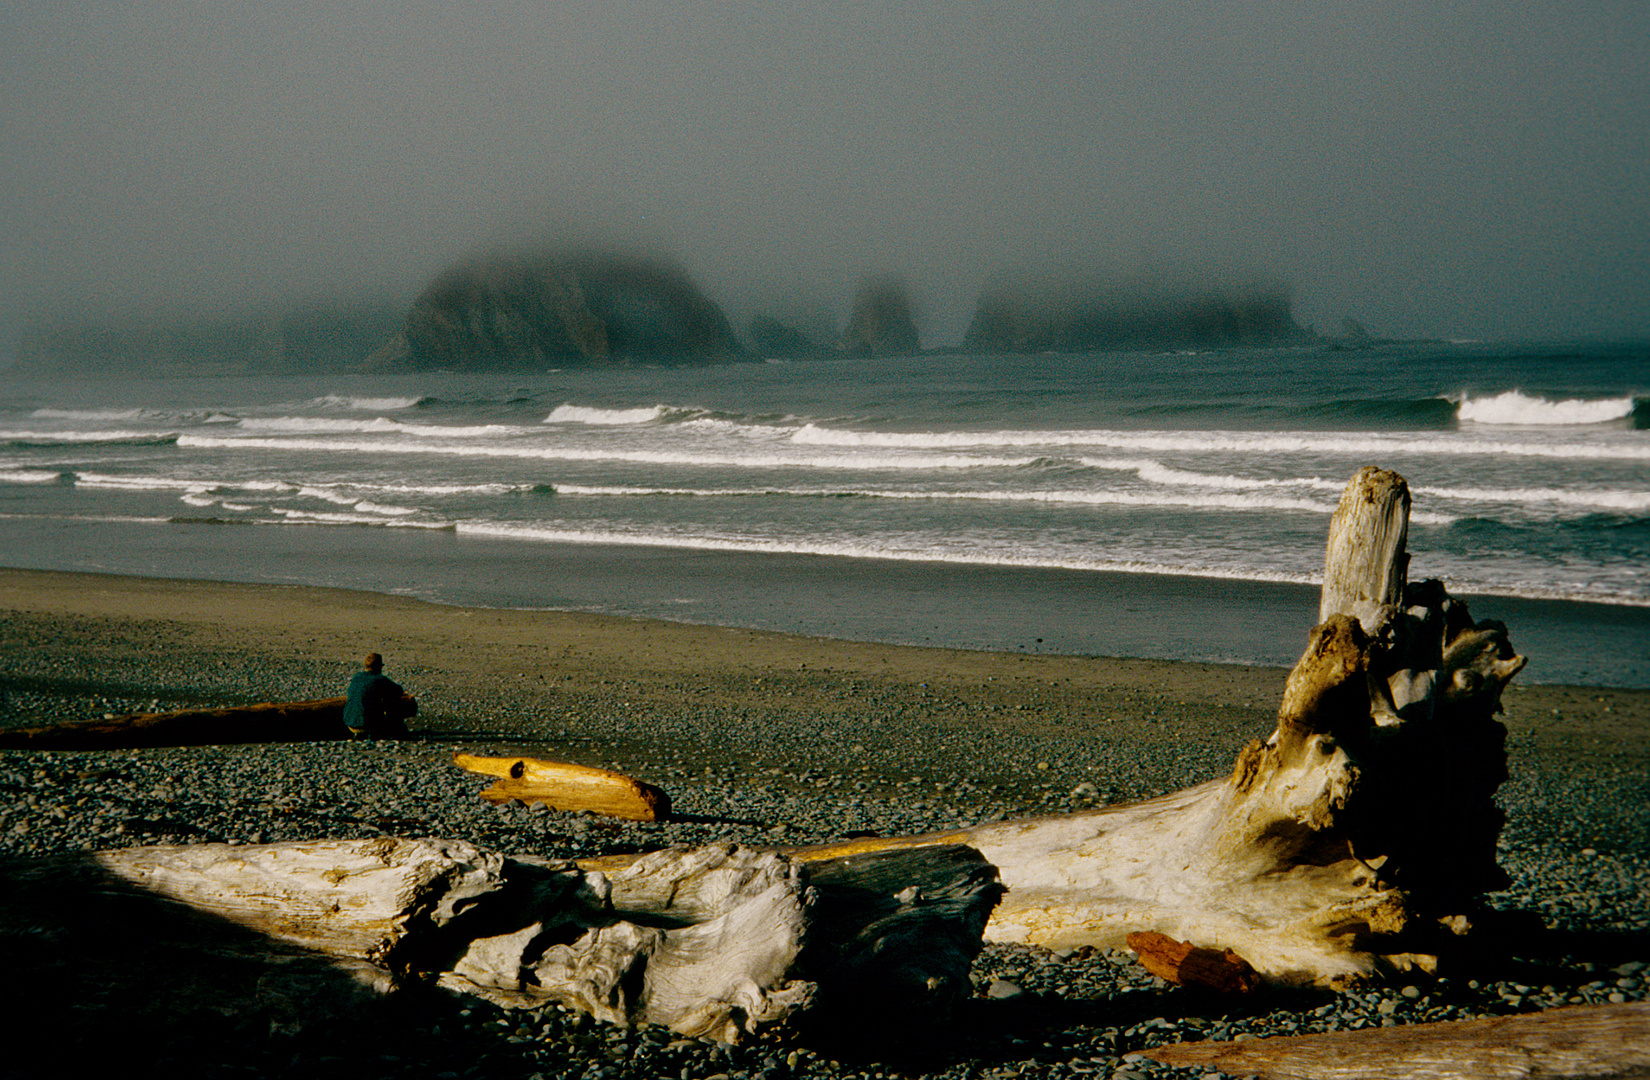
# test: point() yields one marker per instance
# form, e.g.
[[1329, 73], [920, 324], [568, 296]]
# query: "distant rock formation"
[[772, 338], [1038, 316], [565, 309], [296, 339], [1353, 330], [881, 321]]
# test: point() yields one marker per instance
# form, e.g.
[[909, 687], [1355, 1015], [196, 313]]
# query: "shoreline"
[[1016, 610], [178, 634]]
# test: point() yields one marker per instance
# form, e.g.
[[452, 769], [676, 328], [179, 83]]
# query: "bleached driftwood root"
[[713, 942], [1356, 837], [562, 786]]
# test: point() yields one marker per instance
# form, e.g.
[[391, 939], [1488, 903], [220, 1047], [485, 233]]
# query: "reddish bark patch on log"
[[1185, 964]]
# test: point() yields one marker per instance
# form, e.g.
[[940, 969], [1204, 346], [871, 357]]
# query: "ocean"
[[1163, 504]]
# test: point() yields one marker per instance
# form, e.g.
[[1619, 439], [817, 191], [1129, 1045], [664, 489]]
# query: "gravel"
[[883, 763]]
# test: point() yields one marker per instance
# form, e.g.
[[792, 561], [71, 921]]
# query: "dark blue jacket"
[[371, 700]]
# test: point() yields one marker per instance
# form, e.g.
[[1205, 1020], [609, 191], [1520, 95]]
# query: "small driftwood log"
[[290, 721], [1358, 837], [714, 942], [1578, 1041], [1185, 964], [561, 786]]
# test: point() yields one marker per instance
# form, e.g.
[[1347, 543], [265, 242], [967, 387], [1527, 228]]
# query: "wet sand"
[[78, 634]]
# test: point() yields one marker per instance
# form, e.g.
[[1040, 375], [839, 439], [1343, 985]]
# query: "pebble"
[[53, 803]]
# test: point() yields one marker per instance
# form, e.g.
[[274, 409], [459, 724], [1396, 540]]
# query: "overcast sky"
[[1481, 171]]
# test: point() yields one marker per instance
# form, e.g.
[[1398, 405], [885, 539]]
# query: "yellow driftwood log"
[[562, 786]]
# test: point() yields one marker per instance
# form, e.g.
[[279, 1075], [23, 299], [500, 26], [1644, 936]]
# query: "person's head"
[[373, 662]]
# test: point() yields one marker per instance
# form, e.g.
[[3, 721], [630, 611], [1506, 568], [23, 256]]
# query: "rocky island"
[[567, 309], [1022, 314]]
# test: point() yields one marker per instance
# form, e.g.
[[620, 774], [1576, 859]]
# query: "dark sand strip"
[[155, 636]]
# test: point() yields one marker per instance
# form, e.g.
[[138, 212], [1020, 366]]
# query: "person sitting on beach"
[[375, 706]]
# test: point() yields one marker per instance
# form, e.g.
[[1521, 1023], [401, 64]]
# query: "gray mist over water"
[[1477, 172]]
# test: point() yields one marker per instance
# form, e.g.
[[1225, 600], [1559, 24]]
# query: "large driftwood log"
[[289, 721], [1358, 837], [1579, 1041], [562, 786], [713, 942]]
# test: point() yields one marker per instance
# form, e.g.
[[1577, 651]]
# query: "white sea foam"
[[434, 489], [740, 429], [865, 462], [89, 414], [316, 424], [319, 425], [67, 438], [580, 414], [867, 550], [140, 483], [1582, 498], [29, 476], [1336, 443], [327, 495], [367, 404], [291, 514], [366, 506], [474, 431], [1516, 408], [1211, 501]]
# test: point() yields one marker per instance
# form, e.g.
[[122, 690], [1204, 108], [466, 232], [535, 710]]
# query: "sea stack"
[[560, 309], [881, 321], [1082, 313]]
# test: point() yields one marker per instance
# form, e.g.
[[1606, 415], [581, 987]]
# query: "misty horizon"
[[1477, 173]]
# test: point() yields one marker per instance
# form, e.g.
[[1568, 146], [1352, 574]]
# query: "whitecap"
[[317, 424], [1609, 499], [89, 414], [68, 438], [579, 414], [1516, 408], [367, 404], [140, 483], [367, 507]]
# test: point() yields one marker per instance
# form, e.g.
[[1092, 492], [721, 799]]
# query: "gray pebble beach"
[[773, 754]]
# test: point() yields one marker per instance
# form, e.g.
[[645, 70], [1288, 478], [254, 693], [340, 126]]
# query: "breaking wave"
[[1514, 408], [580, 414], [369, 404], [76, 438]]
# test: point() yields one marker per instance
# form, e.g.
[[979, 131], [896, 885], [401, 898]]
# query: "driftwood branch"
[[715, 942], [1358, 837], [1578, 1041], [562, 786]]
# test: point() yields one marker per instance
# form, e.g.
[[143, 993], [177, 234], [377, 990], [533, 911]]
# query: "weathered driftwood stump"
[[713, 942], [1360, 835]]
